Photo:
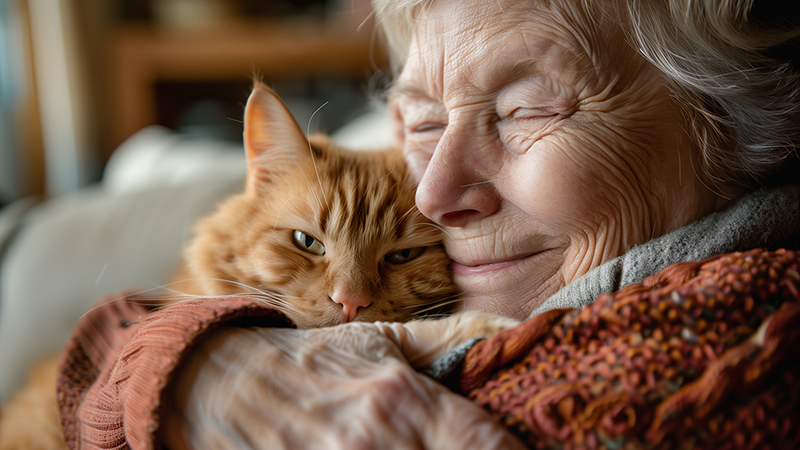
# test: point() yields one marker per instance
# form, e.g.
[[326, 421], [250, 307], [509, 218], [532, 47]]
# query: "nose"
[[454, 190], [350, 303]]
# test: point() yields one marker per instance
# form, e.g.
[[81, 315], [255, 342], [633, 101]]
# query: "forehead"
[[482, 45]]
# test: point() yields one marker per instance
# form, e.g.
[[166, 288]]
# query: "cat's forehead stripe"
[[366, 198], [366, 203]]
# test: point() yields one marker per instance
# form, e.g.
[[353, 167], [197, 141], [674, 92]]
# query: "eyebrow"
[[402, 87], [515, 71], [508, 74]]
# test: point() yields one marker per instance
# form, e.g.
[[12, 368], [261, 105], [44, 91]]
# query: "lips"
[[486, 266]]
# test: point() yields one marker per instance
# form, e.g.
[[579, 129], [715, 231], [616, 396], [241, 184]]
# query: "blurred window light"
[[10, 80], [69, 155]]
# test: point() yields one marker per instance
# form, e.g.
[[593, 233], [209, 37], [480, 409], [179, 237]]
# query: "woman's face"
[[543, 144]]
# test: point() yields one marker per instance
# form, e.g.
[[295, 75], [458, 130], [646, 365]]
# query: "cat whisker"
[[437, 304], [305, 177], [223, 280], [313, 160], [166, 295], [439, 227], [476, 184], [439, 310], [411, 210], [381, 178], [283, 302], [455, 297], [102, 271], [137, 294], [178, 297]]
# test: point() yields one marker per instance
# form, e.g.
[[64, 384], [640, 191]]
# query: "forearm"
[[341, 387]]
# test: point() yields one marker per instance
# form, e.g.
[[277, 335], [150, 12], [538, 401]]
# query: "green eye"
[[308, 243], [403, 256]]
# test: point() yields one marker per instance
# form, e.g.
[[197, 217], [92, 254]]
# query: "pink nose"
[[350, 304]]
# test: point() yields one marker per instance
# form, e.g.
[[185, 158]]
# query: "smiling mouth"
[[472, 268]]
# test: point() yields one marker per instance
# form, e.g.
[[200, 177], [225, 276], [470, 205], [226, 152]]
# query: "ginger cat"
[[324, 234]]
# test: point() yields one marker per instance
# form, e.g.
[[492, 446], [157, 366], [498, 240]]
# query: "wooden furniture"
[[141, 55]]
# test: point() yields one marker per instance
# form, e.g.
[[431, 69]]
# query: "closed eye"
[[531, 113], [308, 243], [403, 256], [427, 127]]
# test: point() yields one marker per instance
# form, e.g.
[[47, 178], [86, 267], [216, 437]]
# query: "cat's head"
[[335, 233]]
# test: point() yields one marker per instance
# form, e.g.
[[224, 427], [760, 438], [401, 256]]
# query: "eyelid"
[[421, 114], [427, 126], [530, 113], [539, 95]]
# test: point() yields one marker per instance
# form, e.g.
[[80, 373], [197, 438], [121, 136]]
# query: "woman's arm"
[[194, 375], [342, 387]]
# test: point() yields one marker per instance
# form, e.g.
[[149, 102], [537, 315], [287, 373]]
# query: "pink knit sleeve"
[[120, 357]]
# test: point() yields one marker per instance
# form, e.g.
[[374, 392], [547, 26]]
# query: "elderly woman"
[[568, 148], [549, 139]]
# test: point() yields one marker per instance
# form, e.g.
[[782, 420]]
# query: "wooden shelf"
[[141, 55]]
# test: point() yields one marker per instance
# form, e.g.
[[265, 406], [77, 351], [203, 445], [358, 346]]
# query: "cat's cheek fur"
[[413, 290]]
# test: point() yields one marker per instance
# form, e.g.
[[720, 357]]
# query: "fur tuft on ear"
[[270, 132]]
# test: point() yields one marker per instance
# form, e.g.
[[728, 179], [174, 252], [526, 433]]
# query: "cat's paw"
[[474, 324], [424, 341]]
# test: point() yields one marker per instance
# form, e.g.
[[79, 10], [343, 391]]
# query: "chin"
[[511, 293], [514, 305]]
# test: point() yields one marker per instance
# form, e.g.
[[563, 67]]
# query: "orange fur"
[[30, 421], [358, 205]]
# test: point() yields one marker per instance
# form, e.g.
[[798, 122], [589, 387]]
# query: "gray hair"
[[729, 66], [396, 21], [727, 70]]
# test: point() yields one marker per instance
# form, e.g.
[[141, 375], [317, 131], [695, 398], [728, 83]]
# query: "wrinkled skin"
[[544, 146], [351, 386]]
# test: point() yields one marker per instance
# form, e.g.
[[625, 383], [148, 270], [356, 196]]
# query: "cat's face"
[[334, 233]]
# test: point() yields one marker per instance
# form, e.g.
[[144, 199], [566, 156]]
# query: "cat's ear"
[[270, 132]]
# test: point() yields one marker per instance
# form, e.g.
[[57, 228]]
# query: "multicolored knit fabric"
[[702, 355]]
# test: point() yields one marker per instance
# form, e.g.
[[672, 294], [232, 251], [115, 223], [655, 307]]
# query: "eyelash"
[[427, 127], [530, 113]]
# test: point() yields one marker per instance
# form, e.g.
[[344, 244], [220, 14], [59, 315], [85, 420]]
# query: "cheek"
[[276, 265], [417, 157], [565, 189], [419, 288]]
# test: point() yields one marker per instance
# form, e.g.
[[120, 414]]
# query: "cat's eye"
[[308, 243], [403, 256]]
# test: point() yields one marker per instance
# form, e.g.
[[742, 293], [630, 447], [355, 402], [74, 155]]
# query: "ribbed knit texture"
[[119, 360]]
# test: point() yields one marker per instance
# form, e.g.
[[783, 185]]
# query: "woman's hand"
[[346, 387]]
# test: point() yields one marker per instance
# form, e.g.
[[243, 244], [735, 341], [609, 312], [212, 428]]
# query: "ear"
[[270, 133]]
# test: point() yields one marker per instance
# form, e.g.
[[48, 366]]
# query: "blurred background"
[[78, 77]]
